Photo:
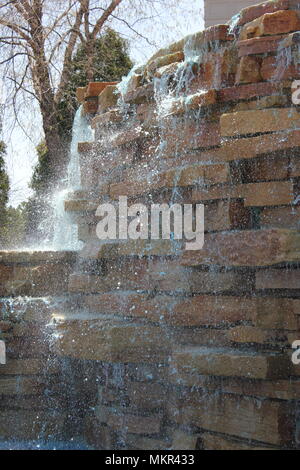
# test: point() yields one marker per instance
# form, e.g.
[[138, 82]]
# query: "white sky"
[[21, 156]]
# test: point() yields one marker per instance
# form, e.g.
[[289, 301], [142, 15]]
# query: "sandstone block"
[[246, 248], [108, 98], [106, 118], [265, 421], [249, 70], [100, 341], [142, 94], [190, 135], [278, 313], [279, 22], [214, 362], [273, 68], [164, 60], [248, 91], [95, 88], [254, 146], [260, 45], [265, 120], [271, 193], [280, 217], [251, 13], [278, 279], [212, 310]]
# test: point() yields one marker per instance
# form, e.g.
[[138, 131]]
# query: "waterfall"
[[65, 231]]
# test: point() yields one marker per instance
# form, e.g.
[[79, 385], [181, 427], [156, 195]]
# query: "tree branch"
[[104, 17]]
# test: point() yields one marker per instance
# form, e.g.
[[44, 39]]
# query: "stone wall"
[[174, 349]]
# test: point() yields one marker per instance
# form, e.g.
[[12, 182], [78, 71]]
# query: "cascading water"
[[65, 232]]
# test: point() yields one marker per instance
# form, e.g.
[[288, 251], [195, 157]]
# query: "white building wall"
[[220, 11]]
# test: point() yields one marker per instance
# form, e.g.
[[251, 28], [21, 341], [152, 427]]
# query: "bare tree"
[[38, 39], [28, 33]]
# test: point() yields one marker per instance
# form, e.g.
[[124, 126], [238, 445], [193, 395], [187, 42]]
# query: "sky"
[[22, 139]]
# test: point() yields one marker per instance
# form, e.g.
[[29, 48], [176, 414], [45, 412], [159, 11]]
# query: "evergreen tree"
[[111, 63]]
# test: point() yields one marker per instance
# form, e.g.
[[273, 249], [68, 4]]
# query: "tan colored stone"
[[218, 32], [251, 13], [265, 120], [261, 103], [177, 46], [95, 88], [279, 22], [101, 341], [249, 334], [277, 313], [90, 105], [274, 68], [251, 147], [212, 310], [226, 215], [188, 135], [106, 119], [164, 60], [273, 193], [265, 421], [260, 45], [248, 70], [280, 217], [167, 70], [231, 363], [246, 248], [193, 102], [108, 98], [142, 94], [278, 279]]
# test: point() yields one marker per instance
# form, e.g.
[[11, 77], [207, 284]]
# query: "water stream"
[[65, 232]]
